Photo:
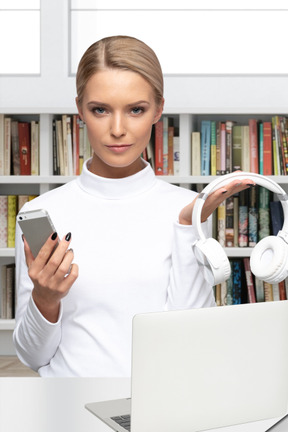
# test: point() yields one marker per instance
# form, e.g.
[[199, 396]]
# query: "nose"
[[117, 126]]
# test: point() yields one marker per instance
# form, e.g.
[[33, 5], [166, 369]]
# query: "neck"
[[98, 167]]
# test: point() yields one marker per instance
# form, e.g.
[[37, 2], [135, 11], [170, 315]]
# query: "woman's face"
[[119, 110]]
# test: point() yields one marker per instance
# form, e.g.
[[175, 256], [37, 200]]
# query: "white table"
[[57, 405]]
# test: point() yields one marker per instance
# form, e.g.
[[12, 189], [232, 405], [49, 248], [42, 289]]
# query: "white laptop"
[[205, 368]]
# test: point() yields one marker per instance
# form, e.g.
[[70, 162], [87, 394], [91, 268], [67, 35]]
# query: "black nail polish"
[[225, 191], [68, 236], [54, 236]]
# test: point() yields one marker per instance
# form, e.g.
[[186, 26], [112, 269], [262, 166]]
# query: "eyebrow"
[[133, 104]]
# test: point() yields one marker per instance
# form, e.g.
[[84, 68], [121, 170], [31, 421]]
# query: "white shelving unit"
[[192, 98]]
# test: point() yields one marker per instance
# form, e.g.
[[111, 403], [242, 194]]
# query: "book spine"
[[237, 148], [243, 219], [3, 221], [267, 148], [229, 126], [165, 145], [196, 154], [24, 148], [15, 148], [237, 281], [249, 281], [159, 148], [221, 219], [223, 149], [176, 152], [229, 224], [205, 147], [253, 217], [253, 138], [170, 150], [261, 149], [268, 291], [11, 220], [213, 167], [7, 146]]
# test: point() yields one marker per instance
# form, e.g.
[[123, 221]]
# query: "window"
[[20, 37], [190, 36]]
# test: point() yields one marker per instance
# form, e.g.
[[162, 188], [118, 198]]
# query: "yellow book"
[[11, 222]]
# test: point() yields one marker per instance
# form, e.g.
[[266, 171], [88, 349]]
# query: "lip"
[[119, 148]]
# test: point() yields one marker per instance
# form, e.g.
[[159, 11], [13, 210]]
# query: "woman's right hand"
[[52, 274]]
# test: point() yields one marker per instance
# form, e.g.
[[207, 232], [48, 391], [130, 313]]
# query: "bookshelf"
[[190, 98]]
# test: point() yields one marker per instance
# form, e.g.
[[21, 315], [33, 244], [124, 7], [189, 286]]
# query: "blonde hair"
[[120, 52]]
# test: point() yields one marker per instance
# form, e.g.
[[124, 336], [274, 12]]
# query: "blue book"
[[205, 147]]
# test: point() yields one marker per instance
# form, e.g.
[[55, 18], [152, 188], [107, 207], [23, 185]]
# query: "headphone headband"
[[225, 179]]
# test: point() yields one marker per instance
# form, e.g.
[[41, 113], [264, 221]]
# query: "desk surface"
[[57, 405]]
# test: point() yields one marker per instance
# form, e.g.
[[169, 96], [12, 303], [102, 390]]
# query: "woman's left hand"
[[214, 199]]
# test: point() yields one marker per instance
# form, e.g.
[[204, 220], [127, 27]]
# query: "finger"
[[64, 279], [46, 251], [58, 256], [28, 254]]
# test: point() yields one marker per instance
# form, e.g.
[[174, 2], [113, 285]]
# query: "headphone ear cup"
[[269, 260], [213, 260]]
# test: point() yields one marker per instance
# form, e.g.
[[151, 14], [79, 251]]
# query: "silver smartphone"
[[36, 226]]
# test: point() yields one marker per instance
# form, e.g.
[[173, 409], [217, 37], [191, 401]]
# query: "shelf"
[[170, 179], [7, 252], [238, 251], [7, 324]]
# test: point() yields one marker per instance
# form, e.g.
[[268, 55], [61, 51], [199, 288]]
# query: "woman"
[[131, 232]]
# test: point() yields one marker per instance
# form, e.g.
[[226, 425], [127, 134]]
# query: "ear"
[[159, 111], [80, 112]]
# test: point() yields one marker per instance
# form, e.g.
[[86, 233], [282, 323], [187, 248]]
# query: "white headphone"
[[269, 258]]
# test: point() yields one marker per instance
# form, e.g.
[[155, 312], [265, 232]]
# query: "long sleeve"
[[188, 288], [36, 339]]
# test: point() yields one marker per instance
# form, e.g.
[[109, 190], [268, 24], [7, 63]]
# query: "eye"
[[137, 110], [98, 110]]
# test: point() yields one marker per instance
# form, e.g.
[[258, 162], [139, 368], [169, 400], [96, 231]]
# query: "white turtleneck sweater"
[[133, 257]]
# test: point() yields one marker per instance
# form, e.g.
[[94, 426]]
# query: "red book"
[[267, 148], [24, 148], [282, 290], [159, 148], [253, 138], [249, 281]]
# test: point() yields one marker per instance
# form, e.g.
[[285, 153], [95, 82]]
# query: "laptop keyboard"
[[123, 421]]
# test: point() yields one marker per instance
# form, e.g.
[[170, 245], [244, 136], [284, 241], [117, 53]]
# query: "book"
[[15, 148], [223, 149], [34, 148], [264, 213], [237, 147], [252, 217], [2, 134], [229, 223], [236, 219], [176, 152], [7, 146], [267, 148], [277, 216], [243, 219], [10, 290], [205, 147], [213, 150], [221, 219], [24, 148], [260, 147], [259, 290], [268, 291], [245, 149], [253, 139], [249, 281], [237, 281], [170, 148], [218, 148], [229, 156], [3, 221], [282, 290], [196, 154], [11, 220], [159, 148], [165, 145], [276, 160], [284, 143]]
